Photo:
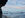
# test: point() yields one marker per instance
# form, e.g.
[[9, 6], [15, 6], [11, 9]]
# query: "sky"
[[14, 4]]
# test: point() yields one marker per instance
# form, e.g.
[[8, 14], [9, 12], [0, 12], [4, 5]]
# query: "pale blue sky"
[[20, 2], [17, 2]]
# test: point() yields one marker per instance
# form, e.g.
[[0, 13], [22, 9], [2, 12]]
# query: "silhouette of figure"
[[2, 3]]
